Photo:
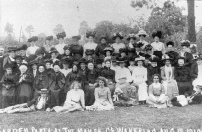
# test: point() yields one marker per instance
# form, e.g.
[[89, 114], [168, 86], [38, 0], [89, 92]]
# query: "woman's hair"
[[102, 79], [157, 76], [107, 60], [75, 82]]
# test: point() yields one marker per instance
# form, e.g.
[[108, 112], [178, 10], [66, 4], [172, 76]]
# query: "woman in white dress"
[[60, 47], [117, 45], [74, 100], [139, 77], [90, 45], [167, 75], [197, 71], [103, 100]]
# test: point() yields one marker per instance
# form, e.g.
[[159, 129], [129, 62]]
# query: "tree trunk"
[[191, 21]]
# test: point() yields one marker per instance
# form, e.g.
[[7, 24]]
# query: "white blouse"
[[158, 46], [123, 73], [74, 97], [59, 48], [117, 47], [31, 50], [139, 74], [65, 72], [89, 45]]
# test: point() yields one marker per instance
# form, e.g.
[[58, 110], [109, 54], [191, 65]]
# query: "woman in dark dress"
[[25, 83], [186, 53], [41, 80], [8, 87], [99, 51], [183, 77], [67, 52], [109, 74], [91, 82], [56, 84]]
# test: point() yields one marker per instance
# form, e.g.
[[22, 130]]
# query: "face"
[[123, 54], [12, 54], [99, 65], [22, 52], [137, 48], [18, 61], [23, 70], [181, 62], [41, 69], [8, 70], [199, 61], [61, 40], [114, 63], [122, 64], [34, 66], [185, 49], [156, 39], [132, 41], [83, 65], [90, 39], [167, 62], [118, 40], [132, 63], [101, 83], [139, 63], [44, 95], [48, 65], [156, 79], [170, 47], [103, 41], [1, 52], [154, 64], [65, 66], [53, 55], [108, 64], [56, 68], [141, 37], [67, 52], [108, 53], [32, 43], [90, 66], [146, 61], [74, 68], [76, 86]]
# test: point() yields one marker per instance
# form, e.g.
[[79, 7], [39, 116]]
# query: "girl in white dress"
[[74, 100], [139, 77], [142, 35], [117, 45]]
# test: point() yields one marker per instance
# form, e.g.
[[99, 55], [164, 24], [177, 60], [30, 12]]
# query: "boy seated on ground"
[[39, 103], [193, 97]]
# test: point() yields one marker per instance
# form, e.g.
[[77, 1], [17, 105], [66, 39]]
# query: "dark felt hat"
[[99, 61], [66, 47], [61, 35], [12, 48], [117, 35], [53, 50], [157, 34], [121, 60], [170, 43], [154, 59], [18, 57], [57, 63], [148, 47], [49, 38], [33, 39], [132, 35], [138, 44], [9, 65], [82, 60], [104, 37], [185, 43], [40, 50], [78, 37], [23, 47], [90, 33], [90, 52], [33, 62], [48, 61]]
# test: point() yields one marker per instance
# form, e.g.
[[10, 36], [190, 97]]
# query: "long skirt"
[[54, 98], [158, 54], [68, 107], [90, 95], [17, 109], [97, 106], [162, 98], [24, 93], [8, 97], [171, 89], [111, 86], [184, 87], [142, 92]]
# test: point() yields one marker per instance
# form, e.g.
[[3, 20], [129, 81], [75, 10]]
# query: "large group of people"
[[75, 77]]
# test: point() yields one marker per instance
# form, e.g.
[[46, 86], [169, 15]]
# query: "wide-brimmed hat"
[[170, 43], [123, 50], [23, 47], [109, 49], [9, 65], [57, 62], [99, 61], [61, 35], [33, 39], [140, 58], [104, 37], [114, 59], [90, 52], [117, 35], [142, 32], [90, 33], [166, 57], [138, 44], [49, 38], [44, 91], [154, 59], [76, 37], [121, 60], [131, 35], [66, 61], [48, 61], [185, 43], [33, 62], [148, 47], [82, 60], [53, 50], [12, 48], [66, 47], [18, 57], [157, 34], [131, 58], [40, 50]]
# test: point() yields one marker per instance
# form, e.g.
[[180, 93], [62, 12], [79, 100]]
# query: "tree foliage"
[[29, 29], [9, 28]]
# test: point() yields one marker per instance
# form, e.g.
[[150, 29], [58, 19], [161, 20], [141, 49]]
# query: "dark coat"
[[108, 74], [174, 55], [41, 81], [91, 76], [99, 51], [76, 51], [182, 74], [194, 71], [150, 72], [188, 59]]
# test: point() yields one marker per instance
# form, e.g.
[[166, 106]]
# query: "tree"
[[150, 4], [168, 19], [58, 29], [9, 28], [30, 30]]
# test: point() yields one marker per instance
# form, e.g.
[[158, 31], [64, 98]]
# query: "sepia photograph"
[[100, 65]]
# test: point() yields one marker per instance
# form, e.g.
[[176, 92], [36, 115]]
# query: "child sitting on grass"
[[39, 103]]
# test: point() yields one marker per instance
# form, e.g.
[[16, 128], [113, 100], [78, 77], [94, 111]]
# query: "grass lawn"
[[133, 117]]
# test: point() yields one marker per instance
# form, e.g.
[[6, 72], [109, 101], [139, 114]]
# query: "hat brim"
[[139, 34], [114, 37], [135, 38]]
